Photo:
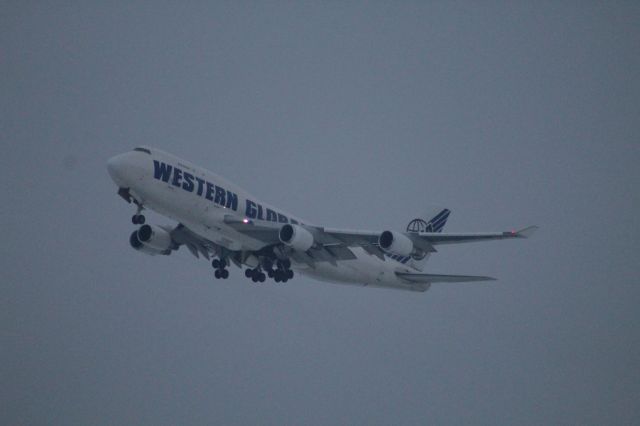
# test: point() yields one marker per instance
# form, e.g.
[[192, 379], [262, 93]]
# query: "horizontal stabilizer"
[[435, 238], [527, 232], [434, 278]]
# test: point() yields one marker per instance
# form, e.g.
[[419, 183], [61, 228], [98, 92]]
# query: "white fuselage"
[[202, 200]]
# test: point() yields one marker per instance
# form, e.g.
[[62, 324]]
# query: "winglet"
[[526, 232]]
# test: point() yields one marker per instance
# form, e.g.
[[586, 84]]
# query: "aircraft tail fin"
[[435, 224]]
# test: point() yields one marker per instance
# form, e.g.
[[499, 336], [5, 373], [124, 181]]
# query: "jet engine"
[[296, 236], [138, 245], [155, 238], [396, 243]]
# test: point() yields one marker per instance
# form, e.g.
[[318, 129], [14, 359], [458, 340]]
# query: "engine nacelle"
[[139, 246], [155, 238], [396, 243], [296, 236]]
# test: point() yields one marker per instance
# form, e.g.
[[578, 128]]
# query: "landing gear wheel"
[[138, 219], [280, 275], [255, 275], [216, 263], [270, 273], [217, 273], [289, 274], [224, 274]]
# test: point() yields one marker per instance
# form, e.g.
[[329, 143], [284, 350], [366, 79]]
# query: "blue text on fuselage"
[[256, 211], [190, 183]]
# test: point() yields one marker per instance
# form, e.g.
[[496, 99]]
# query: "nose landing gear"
[[138, 219]]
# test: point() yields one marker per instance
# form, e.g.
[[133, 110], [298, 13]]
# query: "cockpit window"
[[145, 150]]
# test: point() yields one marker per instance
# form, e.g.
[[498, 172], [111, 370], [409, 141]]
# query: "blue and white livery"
[[227, 225]]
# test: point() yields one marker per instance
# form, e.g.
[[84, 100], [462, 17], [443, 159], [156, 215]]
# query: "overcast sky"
[[347, 114]]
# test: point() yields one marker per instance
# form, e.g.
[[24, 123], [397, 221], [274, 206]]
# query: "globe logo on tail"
[[435, 224], [419, 225]]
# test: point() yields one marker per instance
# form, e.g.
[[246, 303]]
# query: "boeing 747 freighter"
[[225, 224]]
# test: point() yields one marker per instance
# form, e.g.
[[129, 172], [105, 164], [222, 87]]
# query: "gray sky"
[[350, 115]]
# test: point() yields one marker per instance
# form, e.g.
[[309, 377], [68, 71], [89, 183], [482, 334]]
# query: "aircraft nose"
[[116, 167]]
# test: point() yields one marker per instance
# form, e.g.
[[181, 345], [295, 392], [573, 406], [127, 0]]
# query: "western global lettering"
[[210, 190], [187, 184], [181, 179], [254, 210], [232, 201], [200, 185], [161, 171], [177, 177], [250, 211], [218, 195]]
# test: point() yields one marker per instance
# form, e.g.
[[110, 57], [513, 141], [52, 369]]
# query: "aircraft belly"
[[365, 270], [341, 273]]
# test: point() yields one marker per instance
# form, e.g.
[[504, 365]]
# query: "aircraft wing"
[[267, 232], [326, 249], [196, 245], [425, 240], [434, 278], [333, 244]]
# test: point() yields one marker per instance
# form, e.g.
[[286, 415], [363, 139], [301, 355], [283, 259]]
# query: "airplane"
[[226, 225]]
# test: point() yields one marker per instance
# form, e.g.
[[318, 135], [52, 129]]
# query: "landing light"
[[245, 220]]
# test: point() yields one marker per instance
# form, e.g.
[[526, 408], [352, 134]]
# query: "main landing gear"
[[256, 275], [281, 274], [221, 268]]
